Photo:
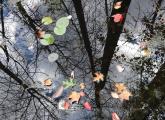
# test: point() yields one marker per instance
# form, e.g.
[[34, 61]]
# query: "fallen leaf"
[[114, 95], [118, 5], [119, 87], [115, 116], [98, 77], [119, 68], [118, 17], [145, 52], [66, 105], [125, 95], [47, 82], [82, 94], [82, 86], [74, 96], [69, 83], [58, 92], [40, 33], [87, 106]]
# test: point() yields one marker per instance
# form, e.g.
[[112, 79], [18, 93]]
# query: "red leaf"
[[118, 18], [115, 116], [87, 106], [66, 105]]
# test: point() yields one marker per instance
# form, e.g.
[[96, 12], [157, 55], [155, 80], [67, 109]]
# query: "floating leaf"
[[47, 40], [40, 34], [119, 68], [115, 116], [125, 95], [66, 105], [52, 57], [47, 82], [118, 18], [82, 86], [118, 5], [59, 30], [114, 95], [62, 22], [145, 52], [82, 94], [119, 87], [74, 97], [87, 106], [98, 77], [58, 92], [47, 20], [69, 83]]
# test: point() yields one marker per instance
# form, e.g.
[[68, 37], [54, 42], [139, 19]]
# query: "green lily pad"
[[69, 83], [59, 30], [62, 22], [48, 40], [47, 20]]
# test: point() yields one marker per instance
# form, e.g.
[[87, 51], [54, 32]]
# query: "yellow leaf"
[[125, 95], [74, 96], [82, 86], [98, 77], [119, 87]]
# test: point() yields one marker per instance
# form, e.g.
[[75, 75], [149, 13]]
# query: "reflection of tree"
[[81, 58]]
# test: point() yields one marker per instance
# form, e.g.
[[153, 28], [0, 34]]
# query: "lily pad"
[[59, 30], [48, 40], [62, 22], [47, 20]]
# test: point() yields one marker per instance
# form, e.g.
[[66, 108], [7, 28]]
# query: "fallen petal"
[[87, 106]]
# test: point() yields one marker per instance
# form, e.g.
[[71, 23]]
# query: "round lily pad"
[[59, 30], [47, 40], [47, 20], [62, 22]]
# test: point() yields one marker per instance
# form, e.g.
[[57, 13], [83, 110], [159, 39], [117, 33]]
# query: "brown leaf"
[[98, 77], [74, 96], [40, 33]]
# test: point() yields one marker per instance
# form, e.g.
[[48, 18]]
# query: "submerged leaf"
[[47, 20], [58, 92], [52, 57]]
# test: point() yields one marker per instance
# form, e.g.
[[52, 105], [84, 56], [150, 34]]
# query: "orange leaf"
[[98, 77], [125, 95], [74, 96], [117, 5], [118, 17], [47, 82], [82, 86], [119, 87]]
